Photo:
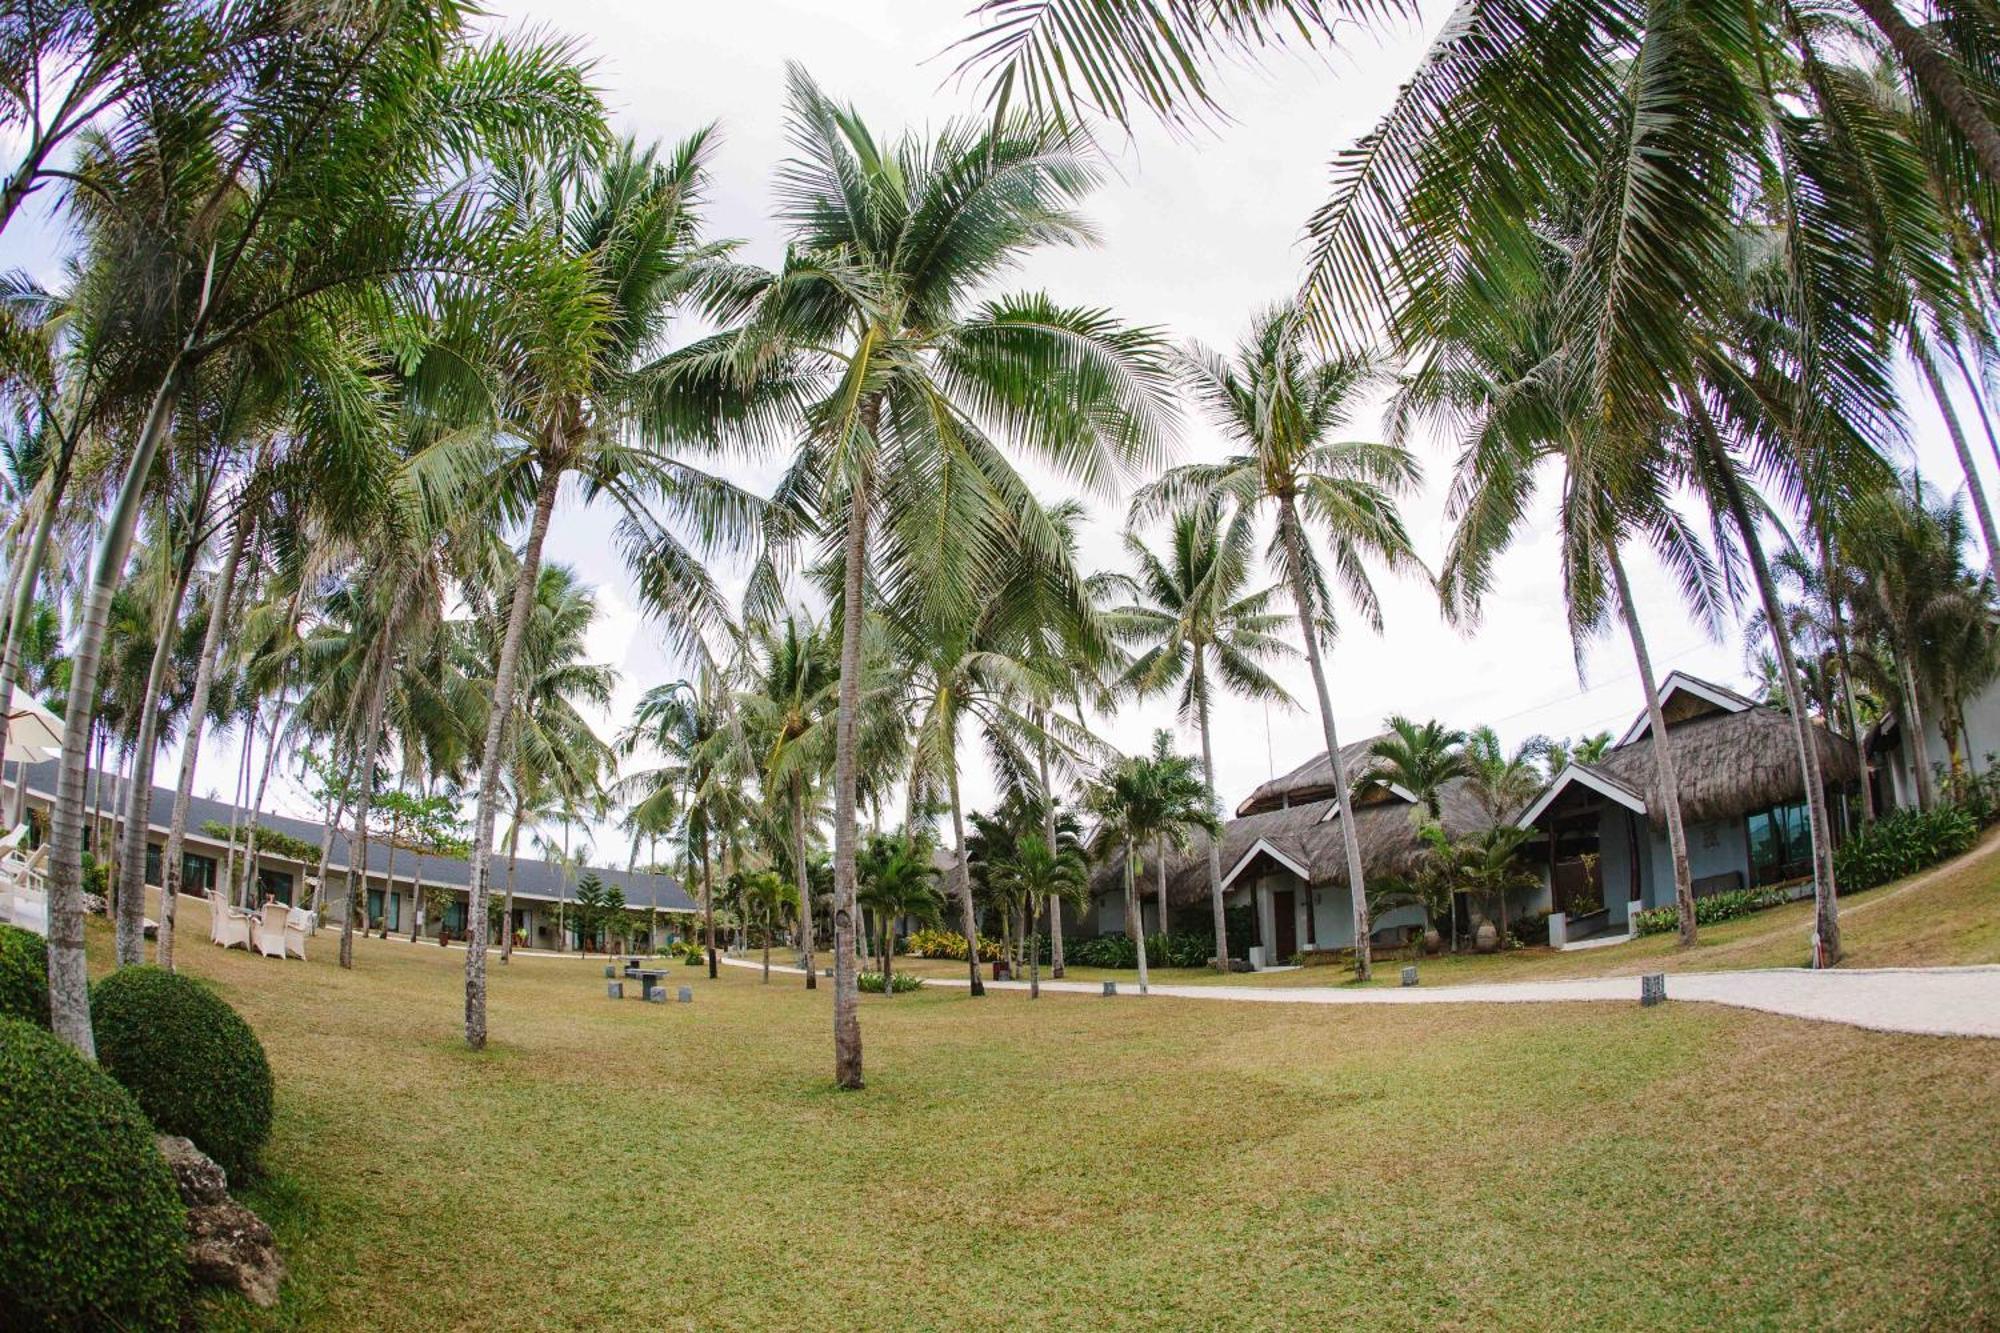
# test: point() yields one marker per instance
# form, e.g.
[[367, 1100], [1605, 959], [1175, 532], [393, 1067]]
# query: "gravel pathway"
[[1939, 1001]]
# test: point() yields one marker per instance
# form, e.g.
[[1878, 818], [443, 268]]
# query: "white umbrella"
[[33, 732]]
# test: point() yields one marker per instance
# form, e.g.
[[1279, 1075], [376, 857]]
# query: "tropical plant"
[[1285, 409], [898, 882], [867, 354], [1192, 613], [1153, 799], [1039, 873], [1419, 758]]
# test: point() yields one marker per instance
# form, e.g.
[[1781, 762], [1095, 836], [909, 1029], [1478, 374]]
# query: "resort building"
[[401, 887], [1597, 833]]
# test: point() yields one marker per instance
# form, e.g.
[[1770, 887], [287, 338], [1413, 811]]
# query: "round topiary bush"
[[95, 1234], [193, 1063], [24, 975]]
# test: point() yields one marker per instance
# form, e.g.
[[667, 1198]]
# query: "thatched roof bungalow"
[[1601, 827]]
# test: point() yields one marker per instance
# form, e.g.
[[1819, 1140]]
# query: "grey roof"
[[534, 878]]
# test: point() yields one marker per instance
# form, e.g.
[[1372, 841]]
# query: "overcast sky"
[[1197, 235]]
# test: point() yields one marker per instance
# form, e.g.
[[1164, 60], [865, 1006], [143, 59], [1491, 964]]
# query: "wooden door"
[[1285, 924]]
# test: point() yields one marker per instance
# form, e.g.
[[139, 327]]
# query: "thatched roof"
[[1306, 836], [1310, 781], [1729, 764]]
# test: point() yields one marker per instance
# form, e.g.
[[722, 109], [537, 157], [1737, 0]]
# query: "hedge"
[[94, 1230], [1183, 948], [194, 1065], [948, 944], [871, 982], [24, 975], [1902, 844], [1711, 909]]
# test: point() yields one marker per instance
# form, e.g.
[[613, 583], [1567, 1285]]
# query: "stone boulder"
[[95, 905], [228, 1245]]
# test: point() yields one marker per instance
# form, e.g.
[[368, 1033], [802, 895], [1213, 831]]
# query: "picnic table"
[[648, 977]]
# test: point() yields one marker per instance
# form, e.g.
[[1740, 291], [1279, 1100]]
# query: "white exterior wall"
[[1981, 743]]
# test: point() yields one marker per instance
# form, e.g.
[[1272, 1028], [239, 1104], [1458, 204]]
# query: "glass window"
[[1780, 843]]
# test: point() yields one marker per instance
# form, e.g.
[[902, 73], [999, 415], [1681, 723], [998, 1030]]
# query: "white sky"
[[1198, 234]]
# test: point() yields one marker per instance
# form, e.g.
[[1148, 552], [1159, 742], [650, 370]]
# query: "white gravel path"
[[1939, 1001]]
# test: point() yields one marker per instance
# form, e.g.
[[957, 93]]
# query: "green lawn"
[[1098, 1164], [1949, 915]]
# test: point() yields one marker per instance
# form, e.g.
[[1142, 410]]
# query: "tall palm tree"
[[1285, 409], [1157, 799], [1192, 612], [619, 237], [868, 352]]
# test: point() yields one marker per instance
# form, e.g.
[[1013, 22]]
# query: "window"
[[1780, 845], [276, 884], [197, 873]]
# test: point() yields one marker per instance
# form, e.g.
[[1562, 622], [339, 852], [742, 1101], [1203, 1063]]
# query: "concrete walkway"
[[1938, 1001]]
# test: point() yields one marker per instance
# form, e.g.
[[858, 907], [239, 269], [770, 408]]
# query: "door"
[[1285, 923]]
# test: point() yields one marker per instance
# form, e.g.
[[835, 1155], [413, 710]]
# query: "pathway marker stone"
[[1110, 988], [1409, 976], [687, 995], [1652, 988]]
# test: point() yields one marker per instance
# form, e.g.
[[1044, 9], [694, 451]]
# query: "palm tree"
[[766, 897], [620, 239], [1192, 607], [897, 881], [1157, 798], [1285, 409], [867, 353], [1420, 759], [1039, 874], [683, 721]]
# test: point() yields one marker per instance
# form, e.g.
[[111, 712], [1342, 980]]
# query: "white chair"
[[216, 912], [232, 929], [298, 925], [31, 910], [13, 838], [269, 930]]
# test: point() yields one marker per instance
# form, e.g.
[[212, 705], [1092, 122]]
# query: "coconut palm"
[[1157, 799], [1192, 612], [683, 721], [868, 353], [620, 239], [1040, 874], [1285, 409]]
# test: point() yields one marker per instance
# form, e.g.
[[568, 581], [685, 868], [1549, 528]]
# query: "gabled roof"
[[1589, 778], [1684, 697], [1312, 780]]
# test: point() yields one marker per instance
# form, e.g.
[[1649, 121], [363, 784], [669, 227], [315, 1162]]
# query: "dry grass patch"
[[1099, 1163]]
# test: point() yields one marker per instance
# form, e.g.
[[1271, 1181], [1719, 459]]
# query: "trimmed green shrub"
[[24, 975], [194, 1065], [871, 982], [1902, 844], [94, 1233], [1711, 909], [947, 944], [1183, 948], [1530, 931]]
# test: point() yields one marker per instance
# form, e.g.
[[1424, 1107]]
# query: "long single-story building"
[[1597, 832], [398, 885]]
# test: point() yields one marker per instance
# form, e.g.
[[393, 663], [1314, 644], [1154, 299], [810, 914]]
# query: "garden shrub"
[[94, 1234], [1711, 909], [24, 975], [194, 1065], [871, 982], [1902, 844], [1180, 949], [1530, 931], [948, 944]]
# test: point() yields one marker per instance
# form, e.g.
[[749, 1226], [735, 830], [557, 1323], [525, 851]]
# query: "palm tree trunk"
[[239, 795], [1295, 548], [1913, 724], [27, 579], [346, 752], [968, 919], [846, 992], [1049, 837], [69, 973], [1938, 78], [708, 900], [802, 880], [130, 933], [1664, 764], [1160, 879], [357, 857], [171, 869], [250, 852], [1214, 810], [1978, 392], [1836, 601], [1826, 911], [1132, 910], [513, 863], [1973, 485], [497, 719], [389, 887]]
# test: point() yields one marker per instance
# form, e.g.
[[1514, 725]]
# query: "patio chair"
[[216, 913], [14, 838], [232, 928], [298, 925], [268, 930]]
